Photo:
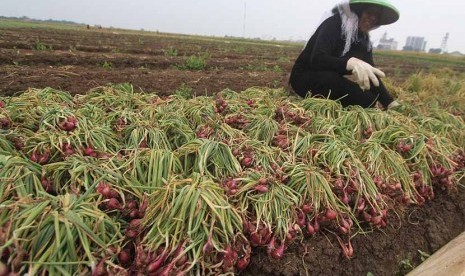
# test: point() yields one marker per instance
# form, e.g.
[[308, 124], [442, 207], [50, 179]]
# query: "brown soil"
[[421, 229], [76, 63]]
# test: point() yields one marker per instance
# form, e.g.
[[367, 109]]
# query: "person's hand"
[[364, 72], [393, 104]]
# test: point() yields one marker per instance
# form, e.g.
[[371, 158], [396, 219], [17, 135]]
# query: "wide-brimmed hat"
[[389, 14]]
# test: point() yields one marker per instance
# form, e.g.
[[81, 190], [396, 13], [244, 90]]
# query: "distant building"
[[387, 44], [435, 51], [415, 43], [443, 49]]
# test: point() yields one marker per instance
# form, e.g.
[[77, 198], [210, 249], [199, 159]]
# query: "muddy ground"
[[79, 60]]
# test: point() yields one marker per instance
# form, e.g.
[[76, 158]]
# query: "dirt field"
[[79, 60], [85, 59]]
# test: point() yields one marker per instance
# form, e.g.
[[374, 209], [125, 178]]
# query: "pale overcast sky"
[[285, 19]]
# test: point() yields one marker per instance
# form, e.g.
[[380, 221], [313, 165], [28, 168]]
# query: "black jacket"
[[323, 51]]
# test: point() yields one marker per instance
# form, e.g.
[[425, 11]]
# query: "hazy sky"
[[285, 19]]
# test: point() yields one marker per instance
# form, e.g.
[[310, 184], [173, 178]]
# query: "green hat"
[[390, 14]]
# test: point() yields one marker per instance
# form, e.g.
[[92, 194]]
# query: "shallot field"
[[146, 153]]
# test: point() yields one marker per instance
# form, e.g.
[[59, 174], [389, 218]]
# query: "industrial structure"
[[387, 44], [444, 44]]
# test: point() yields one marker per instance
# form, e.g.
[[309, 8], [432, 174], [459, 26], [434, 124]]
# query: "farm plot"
[[78, 60]]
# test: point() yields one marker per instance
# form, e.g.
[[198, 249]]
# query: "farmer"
[[337, 62]]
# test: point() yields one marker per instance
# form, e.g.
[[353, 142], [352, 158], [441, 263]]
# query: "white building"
[[387, 44]]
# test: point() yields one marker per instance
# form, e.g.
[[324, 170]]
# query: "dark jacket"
[[323, 51], [319, 69]]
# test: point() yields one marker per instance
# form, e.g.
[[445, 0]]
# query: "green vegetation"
[[408, 264], [263, 67], [423, 255], [240, 50], [184, 91], [195, 62], [171, 52], [431, 88], [284, 59], [209, 174], [11, 23], [405, 267], [107, 65], [41, 46], [234, 42], [436, 59]]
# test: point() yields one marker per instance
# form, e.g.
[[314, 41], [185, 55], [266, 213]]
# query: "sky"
[[266, 19]]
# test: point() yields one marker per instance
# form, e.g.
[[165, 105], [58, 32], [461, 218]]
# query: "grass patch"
[[170, 52], [437, 59], [41, 46], [107, 65], [195, 62], [9, 23]]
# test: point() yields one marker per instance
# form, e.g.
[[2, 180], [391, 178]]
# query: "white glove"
[[364, 72], [393, 104]]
